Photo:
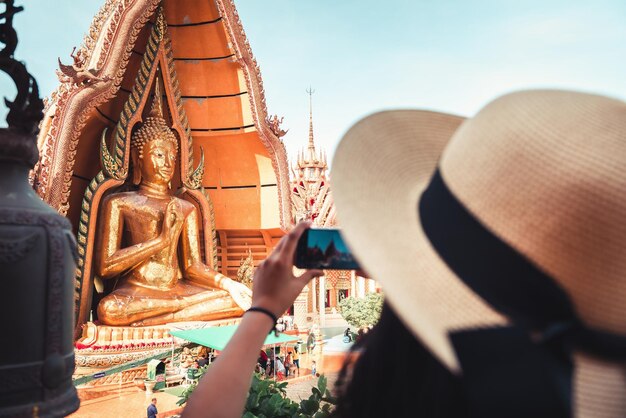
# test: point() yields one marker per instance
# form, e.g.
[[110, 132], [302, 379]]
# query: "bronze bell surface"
[[37, 262]]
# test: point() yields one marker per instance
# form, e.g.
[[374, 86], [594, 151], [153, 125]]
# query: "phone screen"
[[324, 248]]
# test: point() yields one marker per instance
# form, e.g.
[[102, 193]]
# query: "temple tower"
[[310, 188], [312, 199]]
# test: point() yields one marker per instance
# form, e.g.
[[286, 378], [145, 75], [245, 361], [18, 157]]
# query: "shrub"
[[268, 399], [364, 312]]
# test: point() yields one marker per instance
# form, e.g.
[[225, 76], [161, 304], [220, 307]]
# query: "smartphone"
[[325, 249]]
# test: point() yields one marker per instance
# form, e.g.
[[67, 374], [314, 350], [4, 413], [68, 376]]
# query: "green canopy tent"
[[218, 337]]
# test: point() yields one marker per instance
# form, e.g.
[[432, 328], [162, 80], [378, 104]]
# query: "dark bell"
[[36, 281], [54, 371], [36, 263]]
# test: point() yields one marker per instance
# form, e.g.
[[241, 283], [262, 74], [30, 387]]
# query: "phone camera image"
[[324, 248]]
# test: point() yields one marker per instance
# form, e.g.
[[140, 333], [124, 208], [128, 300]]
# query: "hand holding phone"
[[274, 286], [324, 248]]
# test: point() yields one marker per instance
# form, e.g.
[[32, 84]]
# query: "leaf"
[[309, 406], [317, 393], [275, 400], [322, 383], [293, 408], [249, 415], [253, 400]]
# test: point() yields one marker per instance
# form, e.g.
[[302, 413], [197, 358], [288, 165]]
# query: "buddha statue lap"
[[148, 240]]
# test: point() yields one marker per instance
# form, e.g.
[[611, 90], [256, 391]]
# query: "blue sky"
[[362, 56]]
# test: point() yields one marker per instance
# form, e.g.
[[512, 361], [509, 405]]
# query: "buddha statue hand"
[[174, 219], [240, 293]]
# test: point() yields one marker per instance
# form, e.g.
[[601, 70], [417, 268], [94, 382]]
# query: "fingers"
[[309, 274], [283, 241], [280, 244], [170, 212], [174, 206], [289, 247]]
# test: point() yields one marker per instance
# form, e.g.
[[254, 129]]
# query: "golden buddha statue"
[[149, 240]]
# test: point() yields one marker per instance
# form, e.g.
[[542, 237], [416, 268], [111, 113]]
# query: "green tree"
[[364, 312]]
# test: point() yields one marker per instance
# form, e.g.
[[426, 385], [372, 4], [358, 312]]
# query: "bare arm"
[[114, 260], [223, 390]]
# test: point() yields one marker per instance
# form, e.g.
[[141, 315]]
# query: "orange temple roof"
[[222, 94]]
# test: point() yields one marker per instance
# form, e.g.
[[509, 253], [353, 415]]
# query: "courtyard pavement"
[[301, 388]]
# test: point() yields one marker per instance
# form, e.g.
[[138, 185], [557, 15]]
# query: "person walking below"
[[295, 356], [263, 358], [310, 342], [347, 336], [288, 363], [280, 369], [152, 409]]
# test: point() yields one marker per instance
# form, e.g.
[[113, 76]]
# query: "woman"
[[281, 371], [288, 364], [296, 359], [499, 242]]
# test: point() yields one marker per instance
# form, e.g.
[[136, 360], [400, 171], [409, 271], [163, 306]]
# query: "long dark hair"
[[396, 376]]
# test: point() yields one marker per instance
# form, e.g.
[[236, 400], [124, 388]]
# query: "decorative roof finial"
[[18, 141], [157, 102], [311, 143], [155, 126], [25, 111]]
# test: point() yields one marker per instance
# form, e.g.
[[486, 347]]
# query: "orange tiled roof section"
[[239, 173]]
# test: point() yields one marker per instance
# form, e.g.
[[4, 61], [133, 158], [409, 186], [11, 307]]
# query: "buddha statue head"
[[154, 147]]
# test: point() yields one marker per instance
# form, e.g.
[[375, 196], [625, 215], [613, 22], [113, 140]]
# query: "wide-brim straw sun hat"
[[500, 242]]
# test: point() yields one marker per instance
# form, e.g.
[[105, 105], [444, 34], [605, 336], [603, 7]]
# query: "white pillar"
[[300, 308], [361, 287], [313, 295], [371, 286], [322, 285]]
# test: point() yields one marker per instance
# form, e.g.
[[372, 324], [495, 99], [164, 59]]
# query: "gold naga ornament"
[[144, 233]]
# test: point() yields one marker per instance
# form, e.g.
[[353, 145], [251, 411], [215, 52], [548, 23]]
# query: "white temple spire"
[[311, 142]]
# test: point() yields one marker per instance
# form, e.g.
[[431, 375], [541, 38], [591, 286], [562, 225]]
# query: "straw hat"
[[511, 266]]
